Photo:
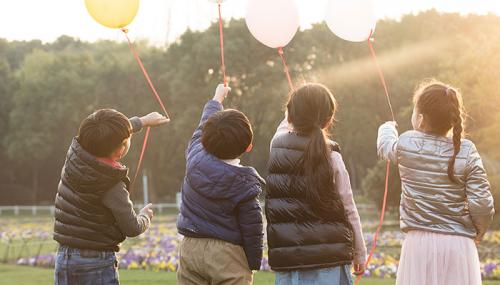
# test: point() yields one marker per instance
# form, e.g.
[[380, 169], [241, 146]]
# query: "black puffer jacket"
[[81, 219], [298, 238]]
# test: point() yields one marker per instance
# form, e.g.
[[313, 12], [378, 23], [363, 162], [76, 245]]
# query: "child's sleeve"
[[210, 108], [343, 185], [387, 142], [250, 221], [283, 128], [118, 201], [479, 198], [136, 124]]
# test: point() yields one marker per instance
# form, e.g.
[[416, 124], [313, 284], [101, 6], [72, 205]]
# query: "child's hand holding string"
[[154, 119], [221, 93]]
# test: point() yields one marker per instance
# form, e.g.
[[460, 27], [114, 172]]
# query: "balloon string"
[[287, 71], [381, 222], [145, 72], [221, 37], [380, 74], [386, 190], [158, 98], [141, 157]]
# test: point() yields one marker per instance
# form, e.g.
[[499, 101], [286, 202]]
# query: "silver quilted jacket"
[[430, 201]]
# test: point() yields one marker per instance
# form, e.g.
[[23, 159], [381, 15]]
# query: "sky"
[[161, 21]]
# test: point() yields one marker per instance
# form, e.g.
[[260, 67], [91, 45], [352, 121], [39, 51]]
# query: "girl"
[[313, 230], [446, 202]]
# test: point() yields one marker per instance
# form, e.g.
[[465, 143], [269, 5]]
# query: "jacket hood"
[[82, 172]]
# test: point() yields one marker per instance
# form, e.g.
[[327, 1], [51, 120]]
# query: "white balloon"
[[273, 22], [351, 20]]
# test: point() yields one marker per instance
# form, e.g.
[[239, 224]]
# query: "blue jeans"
[[340, 275], [85, 267]]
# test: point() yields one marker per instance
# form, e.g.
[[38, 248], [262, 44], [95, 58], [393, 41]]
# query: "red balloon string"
[[145, 72], [141, 157], [287, 71], [386, 190], [158, 98], [221, 37], [380, 74]]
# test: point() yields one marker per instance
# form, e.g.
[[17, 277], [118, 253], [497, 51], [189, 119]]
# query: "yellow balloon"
[[114, 14]]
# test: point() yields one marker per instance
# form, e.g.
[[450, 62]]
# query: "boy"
[[220, 215], [94, 213]]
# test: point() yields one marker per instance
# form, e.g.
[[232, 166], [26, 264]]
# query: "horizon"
[[162, 22]]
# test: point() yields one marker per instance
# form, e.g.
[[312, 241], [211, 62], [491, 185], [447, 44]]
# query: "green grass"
[[22, 275]]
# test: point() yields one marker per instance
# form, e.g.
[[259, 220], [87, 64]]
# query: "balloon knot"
[[125, 30], [280, 51]]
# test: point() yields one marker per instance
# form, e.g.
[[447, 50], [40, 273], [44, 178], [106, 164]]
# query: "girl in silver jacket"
[[446, 203]]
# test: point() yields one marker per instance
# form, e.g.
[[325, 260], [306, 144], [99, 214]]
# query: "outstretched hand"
[[154, 119], [221, 93]]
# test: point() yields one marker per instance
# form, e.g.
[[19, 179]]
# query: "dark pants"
[[85, 267]]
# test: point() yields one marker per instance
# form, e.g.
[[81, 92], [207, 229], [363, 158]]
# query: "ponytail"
[[311, 110], [456, 119], [443, 110], [319, 175]]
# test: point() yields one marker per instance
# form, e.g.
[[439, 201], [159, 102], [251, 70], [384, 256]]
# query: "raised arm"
[[479, 198], [211, 107], [387, 141]]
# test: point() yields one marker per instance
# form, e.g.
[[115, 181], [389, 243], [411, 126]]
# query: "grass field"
[[21, 275]]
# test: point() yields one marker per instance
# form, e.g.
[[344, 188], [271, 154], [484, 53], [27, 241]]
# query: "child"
[[313, 227], [94, 213], [220, 216], [446, 202]]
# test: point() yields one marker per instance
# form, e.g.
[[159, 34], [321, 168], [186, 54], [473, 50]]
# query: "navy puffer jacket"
[[220, 200]]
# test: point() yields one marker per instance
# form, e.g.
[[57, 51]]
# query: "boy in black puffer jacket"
[[94, 213], [220, 216]]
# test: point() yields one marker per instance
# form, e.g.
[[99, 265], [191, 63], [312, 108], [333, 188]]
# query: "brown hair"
[[311, 111], [227, 134], [103, 132], [443, 110]]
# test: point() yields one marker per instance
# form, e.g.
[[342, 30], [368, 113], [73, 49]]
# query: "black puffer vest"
[[81, 220], [297, 237]]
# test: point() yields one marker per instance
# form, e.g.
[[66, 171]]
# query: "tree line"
[[46, 89]]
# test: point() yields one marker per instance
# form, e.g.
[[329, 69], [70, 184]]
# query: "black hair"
[[103, 131], [227, 134]]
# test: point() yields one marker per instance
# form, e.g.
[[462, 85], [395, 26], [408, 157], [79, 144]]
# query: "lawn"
[[22, 275]]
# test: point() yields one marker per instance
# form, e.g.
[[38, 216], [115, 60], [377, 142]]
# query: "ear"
[[118, 153], [420, 121], [249, 148]]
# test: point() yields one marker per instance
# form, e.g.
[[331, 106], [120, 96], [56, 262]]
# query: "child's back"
[[220, 215], [446, 201], [430, 200], [94, 213]]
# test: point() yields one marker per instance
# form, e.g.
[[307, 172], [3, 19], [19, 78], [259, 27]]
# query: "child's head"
[[105, 133], [311, 108], [438, 110], [227, 134], [311, 111]]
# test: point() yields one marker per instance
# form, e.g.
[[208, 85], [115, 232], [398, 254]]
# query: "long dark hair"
[[443, 110], [311, 111]]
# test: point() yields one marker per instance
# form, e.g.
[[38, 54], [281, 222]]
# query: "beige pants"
[[212, 261]]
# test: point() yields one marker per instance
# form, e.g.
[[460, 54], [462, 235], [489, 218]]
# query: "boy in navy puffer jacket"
[[220, 215]]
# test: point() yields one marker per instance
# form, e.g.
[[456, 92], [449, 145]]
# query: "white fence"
[[35, 210]]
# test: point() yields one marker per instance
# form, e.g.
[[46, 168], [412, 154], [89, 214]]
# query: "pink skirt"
[[438, 259]]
